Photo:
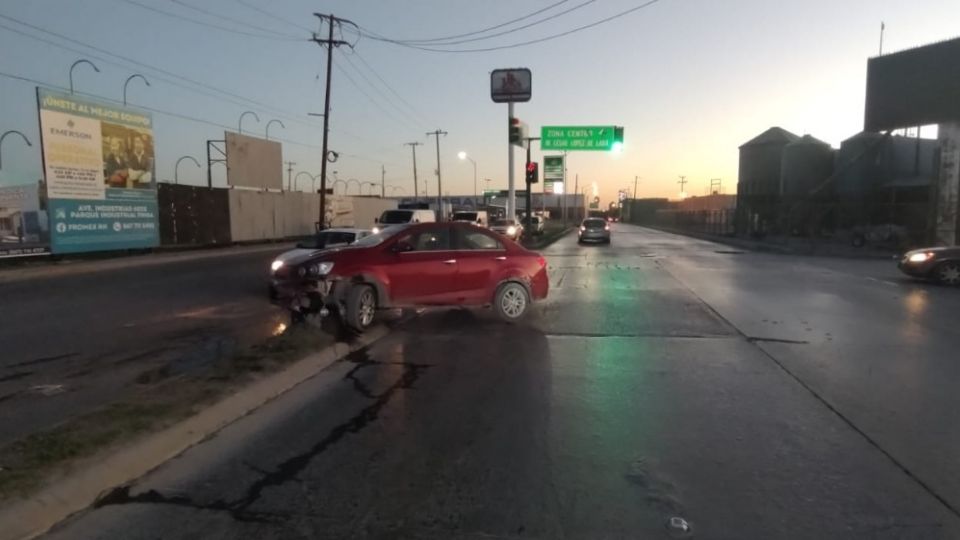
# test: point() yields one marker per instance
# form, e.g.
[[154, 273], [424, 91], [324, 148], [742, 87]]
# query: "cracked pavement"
[[752, 395]]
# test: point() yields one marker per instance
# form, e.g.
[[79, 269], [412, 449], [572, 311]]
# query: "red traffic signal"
[[533, 172]]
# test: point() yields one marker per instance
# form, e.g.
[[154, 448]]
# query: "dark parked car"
[[594, 230], [425, 264], [938, 263]]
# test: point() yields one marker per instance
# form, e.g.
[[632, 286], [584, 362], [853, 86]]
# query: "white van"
[[396, 217], [479, 217]]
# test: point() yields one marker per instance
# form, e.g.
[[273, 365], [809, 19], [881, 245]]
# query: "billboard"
[[98, 162], [23, 223], [553, 174], [253, 162], [511, 85], [916, 87]]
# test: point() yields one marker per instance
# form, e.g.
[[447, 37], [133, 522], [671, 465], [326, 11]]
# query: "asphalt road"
[[751, 395], [74, 336]]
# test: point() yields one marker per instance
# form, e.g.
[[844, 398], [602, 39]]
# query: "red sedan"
[[425, 264]]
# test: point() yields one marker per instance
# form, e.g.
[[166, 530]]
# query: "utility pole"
[[290, 165], [635, 180], [883, 27], [330, 43], [682, 182], [383, 182], [576, 191], [416, 192], [437, 134]]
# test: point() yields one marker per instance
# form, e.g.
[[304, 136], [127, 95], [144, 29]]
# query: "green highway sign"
[[580, 137]]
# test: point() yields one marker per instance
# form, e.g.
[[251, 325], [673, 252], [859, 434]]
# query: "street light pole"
[[463, 155], [240, 122], [297, 177], [176, 168], [130, 78], [75, 64], [4, 136], [266, 133], [416, 192], [437, 134]]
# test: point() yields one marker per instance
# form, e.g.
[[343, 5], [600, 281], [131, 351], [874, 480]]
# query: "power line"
[[209, 25], [230, 19], [182, 116], [517, 29], [272, 15], [245, 101], [390, 88], [523, 43], [487, 29], [364, 92], [381, 93]]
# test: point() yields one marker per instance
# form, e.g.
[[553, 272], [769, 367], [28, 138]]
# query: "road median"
[[549, 236], [47, 476]]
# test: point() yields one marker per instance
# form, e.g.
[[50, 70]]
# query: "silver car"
[[594, 230]]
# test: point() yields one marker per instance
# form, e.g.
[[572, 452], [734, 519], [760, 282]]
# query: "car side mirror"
[[479, 221]]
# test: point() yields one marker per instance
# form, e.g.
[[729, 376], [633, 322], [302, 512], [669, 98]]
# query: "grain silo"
[[805, 165]]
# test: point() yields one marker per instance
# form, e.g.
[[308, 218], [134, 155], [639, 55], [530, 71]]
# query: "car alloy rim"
[[513, 302], [366, 308], [950, 273]]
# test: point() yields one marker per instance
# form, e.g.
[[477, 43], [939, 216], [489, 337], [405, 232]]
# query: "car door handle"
[[499, 258], [450, 261]]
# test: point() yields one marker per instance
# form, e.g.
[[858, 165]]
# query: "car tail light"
[[606, 227], [541, 261]]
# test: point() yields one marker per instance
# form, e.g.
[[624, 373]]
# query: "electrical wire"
[[386, 98], [521, 43], [219, 91], [182, 116], [209, 25], [374, 102], [517, 29], [481, 31], [272, 15], [232, 20], [387, 85]]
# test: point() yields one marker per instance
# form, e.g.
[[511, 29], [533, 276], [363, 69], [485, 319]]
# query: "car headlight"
[[919, 257], [320, 269], [511, 230], [275, 265], [376, 230]]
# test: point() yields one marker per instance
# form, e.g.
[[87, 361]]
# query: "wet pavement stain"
[[287, 470]]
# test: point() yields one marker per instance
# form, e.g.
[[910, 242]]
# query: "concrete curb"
[[79, 489], [26, 273]]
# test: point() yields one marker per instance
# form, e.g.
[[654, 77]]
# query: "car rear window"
[[594, 223], [396, 216]]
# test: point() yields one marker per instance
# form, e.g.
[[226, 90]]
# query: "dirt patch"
[[160, 397]]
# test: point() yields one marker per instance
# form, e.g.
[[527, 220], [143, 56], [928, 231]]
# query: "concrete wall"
[[263, 215]]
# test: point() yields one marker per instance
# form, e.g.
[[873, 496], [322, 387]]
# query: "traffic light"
[[533, 172], [518, 133], [617, 145]]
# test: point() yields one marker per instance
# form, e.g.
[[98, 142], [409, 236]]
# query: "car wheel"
[[361, 307], [511, 301], [948, 273]]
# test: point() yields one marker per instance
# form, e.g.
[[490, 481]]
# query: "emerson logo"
[[69, 132]]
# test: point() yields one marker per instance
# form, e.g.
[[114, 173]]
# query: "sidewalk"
[[46, 268], [797, 246]]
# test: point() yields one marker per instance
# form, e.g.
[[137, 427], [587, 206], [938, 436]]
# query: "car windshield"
[[396, 216], [380, 237], [465, 216]]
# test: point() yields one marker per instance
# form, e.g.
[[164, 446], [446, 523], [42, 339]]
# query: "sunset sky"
[[690, 80]]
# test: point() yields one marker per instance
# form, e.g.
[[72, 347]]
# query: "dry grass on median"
[[158, 400]]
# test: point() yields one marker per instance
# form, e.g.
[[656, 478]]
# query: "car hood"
[[331, 254]]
